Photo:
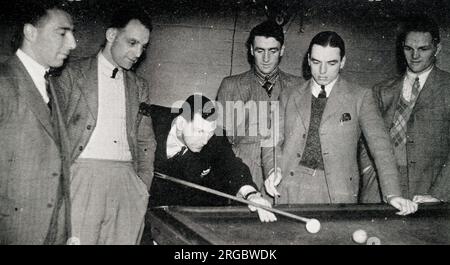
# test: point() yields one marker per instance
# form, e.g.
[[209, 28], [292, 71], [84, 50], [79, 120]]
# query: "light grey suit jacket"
[[428, 137], [79, 83], [34, 171], [338, 137]]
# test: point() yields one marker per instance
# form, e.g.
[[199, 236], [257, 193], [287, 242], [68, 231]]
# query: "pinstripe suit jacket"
[[33, 169]]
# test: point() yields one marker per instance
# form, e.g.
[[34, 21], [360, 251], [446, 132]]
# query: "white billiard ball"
[[360, 236]]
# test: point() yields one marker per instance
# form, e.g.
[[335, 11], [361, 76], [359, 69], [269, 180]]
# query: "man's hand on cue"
[[264, 216]]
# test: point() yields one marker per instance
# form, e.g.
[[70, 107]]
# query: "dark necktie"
[[114, 72], [47, 89], [267, 86], [323, 93]]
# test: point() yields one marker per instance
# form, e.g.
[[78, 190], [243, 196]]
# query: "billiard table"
[[237, 225]]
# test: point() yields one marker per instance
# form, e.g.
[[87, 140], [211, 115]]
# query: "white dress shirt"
[[109, 139], [315, 88], [408, 82], [174, 145]]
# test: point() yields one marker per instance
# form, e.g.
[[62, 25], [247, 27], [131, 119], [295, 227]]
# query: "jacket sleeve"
[[440, 188], [146, 142], [235, 171], [224, 95], [379, 143]]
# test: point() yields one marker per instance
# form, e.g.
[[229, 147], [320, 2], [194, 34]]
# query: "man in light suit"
[[322, 123], [255, 91], [415, 108], [34, 170], [112, 143]]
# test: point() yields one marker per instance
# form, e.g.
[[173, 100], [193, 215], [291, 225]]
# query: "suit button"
[[55, 174], [412, 162], [410, 141], [291, 173], [80, 148], [304, 136], [299, 155], [49, 205], [88, 127]]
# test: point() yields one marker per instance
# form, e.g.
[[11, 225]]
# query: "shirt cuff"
[[244, 190], [272, 170]]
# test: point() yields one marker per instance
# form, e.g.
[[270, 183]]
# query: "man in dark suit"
[[256, 91], [415, 108], [34, 169], [321, 124], [112, 144], [188, 149]]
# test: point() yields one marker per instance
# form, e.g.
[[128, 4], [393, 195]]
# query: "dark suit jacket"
[[350, 111], [215, 166], [428, 134], [34, 171], [79, 83]]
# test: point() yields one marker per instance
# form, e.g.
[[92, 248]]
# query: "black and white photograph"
[[248, 124]]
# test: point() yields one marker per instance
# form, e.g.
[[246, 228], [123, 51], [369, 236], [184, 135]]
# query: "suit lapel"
[[89, 89], [28, 91], [391, 98], [336, 99], [428, 91], [131, 101], [303, 103]]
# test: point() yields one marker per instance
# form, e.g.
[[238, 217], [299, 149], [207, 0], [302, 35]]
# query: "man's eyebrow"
[[65, 28]]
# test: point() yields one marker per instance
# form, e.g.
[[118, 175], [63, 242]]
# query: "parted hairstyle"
[[268, 28], [421, 23], [328, 38], [34, 13]]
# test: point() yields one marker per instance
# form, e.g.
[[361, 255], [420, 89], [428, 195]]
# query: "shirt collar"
[[174, 144], [423, 76], [35, 69], [271, 77], [106, 68], [315, 88]]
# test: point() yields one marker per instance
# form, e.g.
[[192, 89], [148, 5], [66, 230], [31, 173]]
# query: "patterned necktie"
[[323, 93], [402, 114], [47, 89], [267, 86], [415, 89], [114, 72]]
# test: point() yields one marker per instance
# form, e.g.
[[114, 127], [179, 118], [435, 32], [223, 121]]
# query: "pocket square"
[[345, 117]]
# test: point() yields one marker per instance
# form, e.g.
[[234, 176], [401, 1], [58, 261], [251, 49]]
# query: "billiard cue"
[[219, 193], [274, 151]]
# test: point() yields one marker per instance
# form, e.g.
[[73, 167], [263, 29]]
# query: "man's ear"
[[111, 34], [29, 32], [438, 49], [343, 62], [282, 51]]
